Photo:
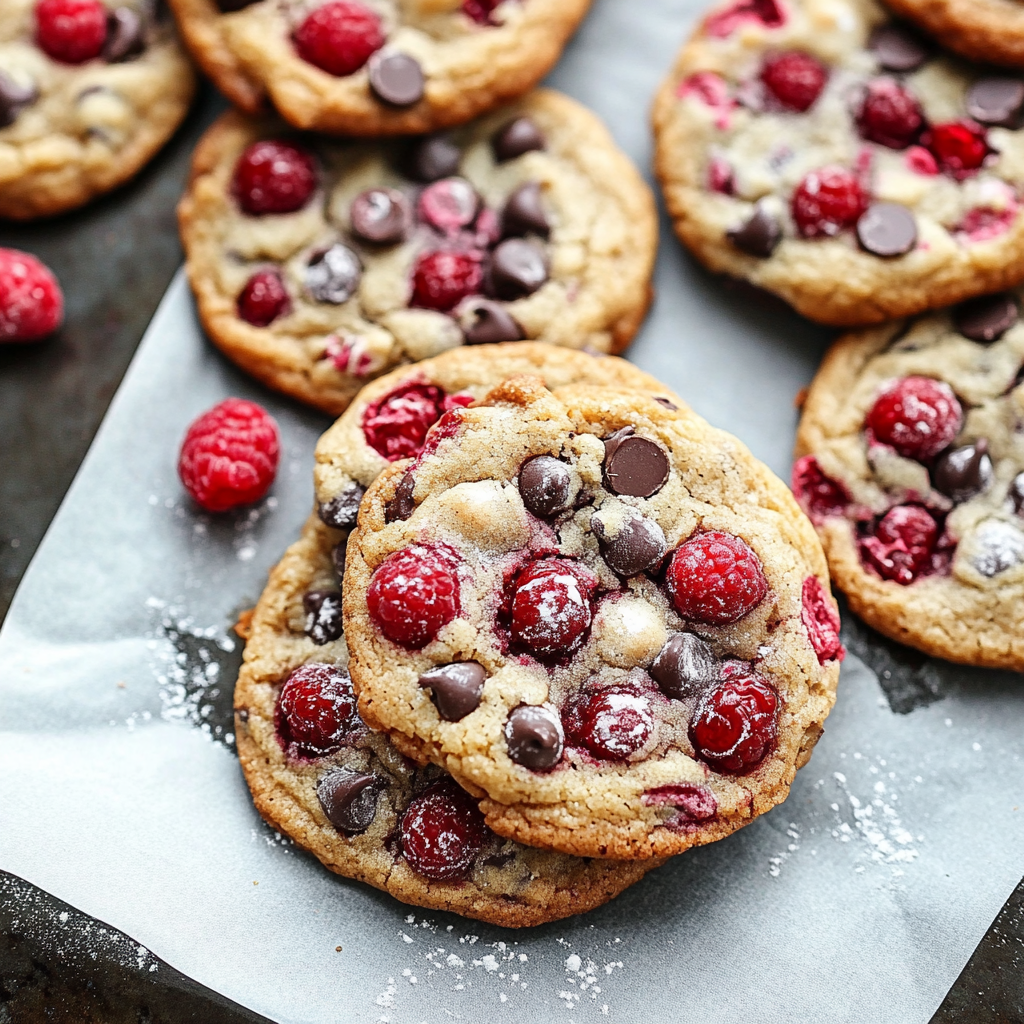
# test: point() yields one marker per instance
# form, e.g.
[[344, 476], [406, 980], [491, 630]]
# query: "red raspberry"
[[889, 115], [902, 545], [827, 201], [480, 11], [414, 593], [339, 37], [315, 711], [274, 177], [612, 724], [715, 578], [31, 302], [918, 416], [794, 79], [441, 280], [550, 606], [724, 23], [821, 621], [396, 425], [263, 299], [819, 496], [960, 147], [737, 725], [72, 31], [442, 832], [229, 455]]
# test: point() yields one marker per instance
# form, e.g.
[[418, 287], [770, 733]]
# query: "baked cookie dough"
[[318, 265], [83, 109], [826, 153], [380, 67], [599, 614], [911, 465]]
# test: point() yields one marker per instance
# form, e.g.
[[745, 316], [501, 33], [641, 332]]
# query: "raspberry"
[[274, 177], [737, 724], [960, 147], [396, 425], [827, 201], [413, 595], [72, 31], [902, 545], [918, 416], [229, 455], [821, 621], [480, 11], [441, 280], [315, 710], [550, 606], [794, 79], [612, 724], [819, 496], [715, 578], [449, 205], [693, 804], [339, 37], [31, 302], [724, 23], [263, 299], [889, 115], [442, 832]]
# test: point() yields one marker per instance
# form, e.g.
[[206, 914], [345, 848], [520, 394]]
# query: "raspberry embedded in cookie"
[[441, 280], [960, 147], [794, 79], [274, 177], [449, 205], [736, 726], [315, 711], [901, 547], [819, 495], [821, 621], [693, 804], [263, 299], [612, 724], [396, 425], [889, 114], [769, 13], [550, 606], [339, 37], [828, 201], [917, 416], [71, 31], [31, 302], [481, 11], [442, 832]]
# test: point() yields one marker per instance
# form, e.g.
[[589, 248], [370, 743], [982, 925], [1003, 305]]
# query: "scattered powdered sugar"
[[876, 822]]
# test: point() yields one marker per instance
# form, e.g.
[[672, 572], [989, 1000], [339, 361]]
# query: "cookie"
[[911, 465], [382, 68], [826, 153], [89, 92], [644, 608], [344, 793], [318, 265]]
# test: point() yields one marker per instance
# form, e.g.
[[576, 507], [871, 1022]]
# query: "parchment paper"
[[860, 898]]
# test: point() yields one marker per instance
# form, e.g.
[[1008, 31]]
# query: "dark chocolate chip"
[[1017, 494], [14, 97], [962, 472], [524, 213], [401, 506], [396, 79], [685, 667], [898, 47], [342, 511], [349, 798], [126, 35], [634, 465], [887, 229], [638, 544], [986, 318], [516, 138], [535, 737], [323, 616], [243, 714], [667, 403], [517, 268], [338, 556], [997, 101], [545, 485], [379, 215], [433, 157], [758, 235], [333, 275], [487, 322], [456, 688]]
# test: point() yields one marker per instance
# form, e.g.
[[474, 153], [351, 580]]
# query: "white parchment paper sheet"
[[861, 898]]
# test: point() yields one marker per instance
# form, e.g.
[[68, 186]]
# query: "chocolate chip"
[[401, 506], [487, 322], [998, 546], [14, 97], [338, 557], [126, 35], [898, 47], [323, 616], [333, 275], [227, 6], [379, 215], [524, 213], [517, 268], [685, 667], [758, 235], [667, 403], [887, 229], [396, 79], [456, 688], [243, 714], [342, 511], [986, 318], [634, 465], [349, 798], [1016, 494], [962, 472], [997, 101], [636, 546], [517, 137], [450, 205], [545, 485], [534, 736], [433, 157]]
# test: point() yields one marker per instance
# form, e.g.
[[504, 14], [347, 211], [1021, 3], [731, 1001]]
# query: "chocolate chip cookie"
[[829, 154], [598, 613]]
